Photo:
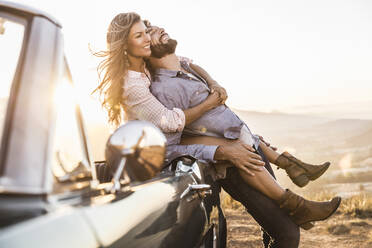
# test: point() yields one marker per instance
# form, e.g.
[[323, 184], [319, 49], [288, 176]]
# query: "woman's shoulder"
[[134, 78]]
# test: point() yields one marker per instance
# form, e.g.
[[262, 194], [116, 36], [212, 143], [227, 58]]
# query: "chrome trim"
[[29, 10], [203, 189]]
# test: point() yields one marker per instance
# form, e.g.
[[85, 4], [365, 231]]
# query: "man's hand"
[[215, 87], [241, 156], [267, 143]]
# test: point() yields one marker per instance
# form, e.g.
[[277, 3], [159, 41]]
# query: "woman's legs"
[[271, 155], [299, 172], [302, 211], [262, 181]]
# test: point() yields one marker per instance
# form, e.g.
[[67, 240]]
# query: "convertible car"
[[52, 193]]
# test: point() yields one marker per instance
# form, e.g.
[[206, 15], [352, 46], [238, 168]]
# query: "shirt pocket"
[[198, 93]]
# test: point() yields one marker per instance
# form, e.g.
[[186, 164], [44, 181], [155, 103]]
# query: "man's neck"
[[169, 62]]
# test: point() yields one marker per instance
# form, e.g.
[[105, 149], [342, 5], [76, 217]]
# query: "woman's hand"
[[212, 84], [194, 113], [215, 87], [213, 100], [267, 143]]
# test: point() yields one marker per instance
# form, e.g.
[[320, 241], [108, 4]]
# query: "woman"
[[128, 43], [125, 84]]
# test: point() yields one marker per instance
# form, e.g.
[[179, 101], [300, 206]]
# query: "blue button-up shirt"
[[176, 89]]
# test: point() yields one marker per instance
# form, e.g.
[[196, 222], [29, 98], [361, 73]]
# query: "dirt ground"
[[339, 231]]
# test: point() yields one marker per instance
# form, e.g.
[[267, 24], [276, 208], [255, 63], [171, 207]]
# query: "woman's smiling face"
[[139, 41]]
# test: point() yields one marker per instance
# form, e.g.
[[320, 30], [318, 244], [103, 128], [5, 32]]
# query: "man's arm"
[[204, 74], [240, 155], [201, 152], [213, 85]]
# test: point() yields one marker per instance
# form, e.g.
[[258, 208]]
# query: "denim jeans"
[[278, 230]]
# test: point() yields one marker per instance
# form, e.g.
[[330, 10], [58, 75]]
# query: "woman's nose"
[[147, 37]]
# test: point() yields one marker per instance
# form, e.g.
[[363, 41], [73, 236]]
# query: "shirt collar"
[[166, 72]]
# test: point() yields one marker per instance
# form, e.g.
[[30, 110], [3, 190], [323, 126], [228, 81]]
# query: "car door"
[[156, 213]]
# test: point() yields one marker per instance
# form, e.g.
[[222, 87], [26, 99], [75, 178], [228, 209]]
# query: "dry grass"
[[359, 206], [356, 206], [227, 202], [370, 237]]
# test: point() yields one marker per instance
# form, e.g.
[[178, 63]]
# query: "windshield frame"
[[25, 20]]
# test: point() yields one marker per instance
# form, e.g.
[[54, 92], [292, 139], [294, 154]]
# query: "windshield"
[[12, 30]]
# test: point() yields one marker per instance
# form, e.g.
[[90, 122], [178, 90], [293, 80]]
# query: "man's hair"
[[164, 49], [147, 23]]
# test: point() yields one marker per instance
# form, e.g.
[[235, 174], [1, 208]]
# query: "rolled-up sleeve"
[[203, 153], [140, 102]]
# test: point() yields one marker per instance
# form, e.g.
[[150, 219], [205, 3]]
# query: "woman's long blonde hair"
[[114, 67]]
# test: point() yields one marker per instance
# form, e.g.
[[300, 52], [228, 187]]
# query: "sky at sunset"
[[269, 55]]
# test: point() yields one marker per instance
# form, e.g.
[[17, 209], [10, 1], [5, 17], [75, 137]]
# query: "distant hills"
[[283, 122], [274, 122], [364, 139], [310, 133], [350, 110], [345, 142]]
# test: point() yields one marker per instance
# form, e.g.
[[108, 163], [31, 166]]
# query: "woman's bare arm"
[[192, 114], [146, 106]]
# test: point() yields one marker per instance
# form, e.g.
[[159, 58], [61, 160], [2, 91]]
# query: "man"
[[278, 229], [175, 87]]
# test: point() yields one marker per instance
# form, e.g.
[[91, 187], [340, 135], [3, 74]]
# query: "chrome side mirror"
[[137, 146]]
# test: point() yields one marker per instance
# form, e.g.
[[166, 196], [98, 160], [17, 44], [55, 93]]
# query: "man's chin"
[[164, 49]]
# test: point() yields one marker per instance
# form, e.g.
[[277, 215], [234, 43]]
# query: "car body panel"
[[41, 231], [128, 219], [153, 221]]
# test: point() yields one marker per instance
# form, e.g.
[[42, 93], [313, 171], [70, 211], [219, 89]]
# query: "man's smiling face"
[[161, 43]]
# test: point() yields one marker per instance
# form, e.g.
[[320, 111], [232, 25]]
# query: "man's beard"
[[162, 50]]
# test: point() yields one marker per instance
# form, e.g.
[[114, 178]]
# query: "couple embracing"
[[143, 77]]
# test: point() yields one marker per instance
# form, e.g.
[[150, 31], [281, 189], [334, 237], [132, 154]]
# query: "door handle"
[[201, 189]]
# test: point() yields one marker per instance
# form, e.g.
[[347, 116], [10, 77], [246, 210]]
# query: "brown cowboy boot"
[[303, 211], [300, 172]]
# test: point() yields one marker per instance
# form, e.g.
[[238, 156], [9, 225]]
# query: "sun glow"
[[65, 95], [345, 163], [70, 95]]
